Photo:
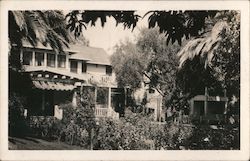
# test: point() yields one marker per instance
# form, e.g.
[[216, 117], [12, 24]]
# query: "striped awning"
[[46, 85]]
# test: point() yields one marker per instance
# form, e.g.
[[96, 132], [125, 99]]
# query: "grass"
[[28, 143]]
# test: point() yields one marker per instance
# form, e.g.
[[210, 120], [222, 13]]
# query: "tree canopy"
[[147, 60], [213, 59], [175, 24]]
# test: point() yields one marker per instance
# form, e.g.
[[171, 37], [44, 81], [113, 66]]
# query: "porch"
[[47, 97]]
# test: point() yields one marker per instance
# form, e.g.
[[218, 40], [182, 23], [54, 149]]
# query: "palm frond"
[[204, 47]]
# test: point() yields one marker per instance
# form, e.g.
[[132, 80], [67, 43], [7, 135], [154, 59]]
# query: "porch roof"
[[57, 71], [44, 85]]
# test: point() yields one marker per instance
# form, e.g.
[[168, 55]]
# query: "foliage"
[[226, 61], [205, 138], [179, 23], [137, 132], [213, 60], [128, 65], [149, 58], [161, 60], [47, 27], [44, 126], [79, 121], [102, 95], [18, 125], [77, 20]]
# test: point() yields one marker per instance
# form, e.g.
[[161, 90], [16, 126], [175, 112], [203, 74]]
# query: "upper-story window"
[[73, 66], [108, 70], [27, 58], [39, 59], [51, 58], [61, 61], [84, 67]]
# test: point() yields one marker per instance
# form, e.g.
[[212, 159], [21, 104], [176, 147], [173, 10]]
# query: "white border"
[[242, 154]]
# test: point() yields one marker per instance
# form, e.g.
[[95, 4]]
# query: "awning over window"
[[44, 85]]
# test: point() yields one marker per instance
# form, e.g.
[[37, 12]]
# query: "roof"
[[88, 78], [44, 85], [93, 54], [56, 70], [41, 46]]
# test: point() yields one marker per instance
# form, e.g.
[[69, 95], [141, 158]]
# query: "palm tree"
[[204, 46], [216, 54], [46, 27]]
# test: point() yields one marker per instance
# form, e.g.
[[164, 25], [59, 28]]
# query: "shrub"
[[204, 137], [136, 131], [18, 125], [78, 122]]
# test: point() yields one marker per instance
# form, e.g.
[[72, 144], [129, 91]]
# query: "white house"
[[57, 76]]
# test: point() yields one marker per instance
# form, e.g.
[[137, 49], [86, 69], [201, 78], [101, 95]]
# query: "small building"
[[208, 108], [56, 79]]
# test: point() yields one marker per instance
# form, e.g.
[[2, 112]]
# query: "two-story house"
[[56, 79]]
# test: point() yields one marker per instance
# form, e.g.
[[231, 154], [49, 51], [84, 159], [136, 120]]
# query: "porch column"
[[21, 55], [45, 59], [205, 102], [79, 67], [67, 63], [74, 101], [33, 58], [109, 98], [56, 60]]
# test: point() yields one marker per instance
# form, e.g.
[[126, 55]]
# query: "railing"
[[105, 112], [101, 112]]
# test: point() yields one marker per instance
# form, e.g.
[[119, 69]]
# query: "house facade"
[[57, 78], [154, 101]]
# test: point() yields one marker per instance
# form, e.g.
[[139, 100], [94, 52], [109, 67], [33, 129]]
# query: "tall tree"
[[162, 61], [149, 60], [128, 64]]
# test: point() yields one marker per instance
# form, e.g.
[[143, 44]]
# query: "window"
[[61, 61], [73, 66], [84, 67], [108, 70], [39, 59], [27, 58], [51, 60]]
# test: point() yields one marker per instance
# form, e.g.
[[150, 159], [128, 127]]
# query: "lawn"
[[28, 143]]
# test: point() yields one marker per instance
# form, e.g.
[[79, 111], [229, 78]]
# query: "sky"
[[108, 36]]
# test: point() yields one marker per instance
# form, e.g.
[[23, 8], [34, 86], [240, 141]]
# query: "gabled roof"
[[93, 54]]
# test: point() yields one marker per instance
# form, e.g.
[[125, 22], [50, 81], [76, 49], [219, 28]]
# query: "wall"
[[99, 69]]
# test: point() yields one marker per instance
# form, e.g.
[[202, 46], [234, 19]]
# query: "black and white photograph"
[[121, 80]]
